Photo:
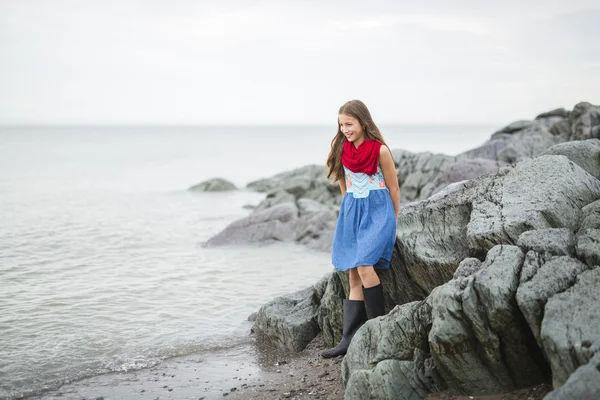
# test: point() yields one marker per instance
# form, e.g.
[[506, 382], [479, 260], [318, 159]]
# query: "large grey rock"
[[585, 121], [316, 225], [470, 169], [297, 185], [517, 141], [583, 384], [431, 242], [214, 185], [570, 332], [545, 192], [379, 338], [289, 321], [467, 267], [588, 236], [559, 112], [418, 172], [292, 179], [265, 226], [491, 149], [590, 217], [394, 380], [329, 315], [309, 207], [585, 153], [384, 362], [517, 126], [461, 170], [553, 241], [588, 247], [542, 277], [275, 198], [562, 130], [478, 339], [305, 190]]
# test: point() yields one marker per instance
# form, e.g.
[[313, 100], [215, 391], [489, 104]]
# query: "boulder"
[[542, 277], [394, 379], [301, 206], [479, 339], [585, 122], [266, 226], [552, 241], [583, 384], [588, 247], [467, 267], [570, 331], [213, 185], [417, 173], [292, 178], [431, 242], [544, 192], [470, 169], [517, 126], [559, 112], [588, 236], [585, 153], [289, 321], [590, 217], [519, 140], [384, 362], [274, 198], [329, 315]]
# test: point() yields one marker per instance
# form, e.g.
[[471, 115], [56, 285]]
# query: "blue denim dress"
[[366, 227]]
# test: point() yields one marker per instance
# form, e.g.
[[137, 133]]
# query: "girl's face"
[[352, 129]]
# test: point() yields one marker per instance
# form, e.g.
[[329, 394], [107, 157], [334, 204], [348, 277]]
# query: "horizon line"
[[253, 124]]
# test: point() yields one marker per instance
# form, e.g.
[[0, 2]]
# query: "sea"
[[102, 262]]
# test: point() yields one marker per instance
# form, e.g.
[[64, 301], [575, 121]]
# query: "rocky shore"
[[494, 284]]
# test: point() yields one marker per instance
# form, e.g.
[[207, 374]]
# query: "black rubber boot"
[[374, 301], [353, 318]]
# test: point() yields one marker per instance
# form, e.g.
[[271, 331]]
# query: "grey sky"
[[160, 61]]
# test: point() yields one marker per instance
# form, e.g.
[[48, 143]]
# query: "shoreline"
[[254, 371]]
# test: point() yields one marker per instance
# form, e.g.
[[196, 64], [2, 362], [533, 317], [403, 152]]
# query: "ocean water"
[[102, 266]]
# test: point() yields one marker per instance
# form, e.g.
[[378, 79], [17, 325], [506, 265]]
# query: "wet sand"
[[249, 371], [254, 371]]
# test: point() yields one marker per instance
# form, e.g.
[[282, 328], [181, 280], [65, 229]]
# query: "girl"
[[365, 234]]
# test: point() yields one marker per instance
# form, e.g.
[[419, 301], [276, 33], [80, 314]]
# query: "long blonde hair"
[[358, 110]]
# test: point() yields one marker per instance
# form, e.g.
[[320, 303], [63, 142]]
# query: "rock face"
[[495, 280], [214, 185]]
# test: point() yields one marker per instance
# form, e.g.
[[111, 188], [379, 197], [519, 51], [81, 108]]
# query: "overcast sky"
[[236, 62]]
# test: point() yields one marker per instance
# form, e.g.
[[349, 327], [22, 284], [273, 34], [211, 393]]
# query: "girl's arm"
[[389, 174], [342, 183]]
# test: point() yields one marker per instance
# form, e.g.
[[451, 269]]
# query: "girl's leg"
[[368, 276], [372, 292], [356, 292]]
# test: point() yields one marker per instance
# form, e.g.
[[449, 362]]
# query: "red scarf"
[[365, 158]]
